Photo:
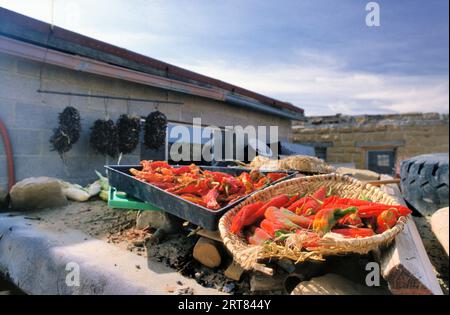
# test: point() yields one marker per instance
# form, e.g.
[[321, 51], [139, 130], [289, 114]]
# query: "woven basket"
[[249, 256]]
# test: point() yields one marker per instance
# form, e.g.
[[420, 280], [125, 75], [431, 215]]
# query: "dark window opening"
[[321, 153], [381, 161]]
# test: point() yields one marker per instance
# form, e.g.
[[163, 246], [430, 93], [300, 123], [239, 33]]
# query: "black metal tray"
[[119, 177]]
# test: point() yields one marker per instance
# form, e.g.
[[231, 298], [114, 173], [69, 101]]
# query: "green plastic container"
[[120, 200]]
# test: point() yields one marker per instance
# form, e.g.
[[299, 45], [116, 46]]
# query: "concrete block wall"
[[31, 116]]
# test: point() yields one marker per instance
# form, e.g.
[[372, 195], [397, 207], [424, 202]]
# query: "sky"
[[317, 54]]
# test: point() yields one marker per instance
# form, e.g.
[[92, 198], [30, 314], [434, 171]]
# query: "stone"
[[331, 284], [358, 173], [260, 282], [152, 219], [37, 193], [439, 225]]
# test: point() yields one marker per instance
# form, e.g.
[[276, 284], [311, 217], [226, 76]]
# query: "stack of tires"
[[424, 182]]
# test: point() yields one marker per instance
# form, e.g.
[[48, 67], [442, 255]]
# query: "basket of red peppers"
[[310, 218]]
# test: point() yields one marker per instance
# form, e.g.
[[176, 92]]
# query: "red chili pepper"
[[261, 182], [335, 201], [354, 232], [181, 170], [275, 176], [271, 227], [325, 219], [211, 199], [313, 204], [375, 209], [259, 237], [194, 199], [297, 204], [292, 200], [286, 217], [244, 216], [278, 201], [350, 219], [386, 220], [157, 164]]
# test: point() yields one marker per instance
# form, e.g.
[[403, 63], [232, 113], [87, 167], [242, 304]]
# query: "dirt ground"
[[116, 226]]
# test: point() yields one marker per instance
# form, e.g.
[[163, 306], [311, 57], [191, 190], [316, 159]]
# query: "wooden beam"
[[405, 264], [213, 235]]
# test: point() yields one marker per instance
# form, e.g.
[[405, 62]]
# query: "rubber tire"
[[424, 182]]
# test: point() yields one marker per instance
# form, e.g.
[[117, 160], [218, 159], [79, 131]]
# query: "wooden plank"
[[213, 235], [405, 265], [383, 182]]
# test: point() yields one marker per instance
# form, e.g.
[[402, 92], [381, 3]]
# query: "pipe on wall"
[[9, 154]]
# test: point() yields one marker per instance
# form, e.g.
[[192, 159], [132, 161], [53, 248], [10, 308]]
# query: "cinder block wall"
[[415, 134], [31, 116]]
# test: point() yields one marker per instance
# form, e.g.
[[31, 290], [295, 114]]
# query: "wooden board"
[[213, 235], [405, 264]]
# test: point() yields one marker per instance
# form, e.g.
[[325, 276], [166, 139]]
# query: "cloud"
[[328, 88]]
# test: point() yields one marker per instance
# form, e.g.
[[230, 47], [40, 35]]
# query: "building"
[[375, 142], [44, 68]]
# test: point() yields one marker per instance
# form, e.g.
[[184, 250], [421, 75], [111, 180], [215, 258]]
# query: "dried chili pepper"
[[325, 219], [194, 199], [275, 176], [211, 199], [354, 232]]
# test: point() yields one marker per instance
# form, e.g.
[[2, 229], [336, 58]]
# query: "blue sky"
[[317, 54]]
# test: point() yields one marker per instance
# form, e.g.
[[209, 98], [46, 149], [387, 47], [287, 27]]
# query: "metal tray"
[[120, 178]]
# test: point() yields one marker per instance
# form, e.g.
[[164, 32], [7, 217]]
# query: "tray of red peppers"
[[198, 194], [314, 215]]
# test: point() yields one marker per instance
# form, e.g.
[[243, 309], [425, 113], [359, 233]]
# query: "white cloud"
[[326, 88]]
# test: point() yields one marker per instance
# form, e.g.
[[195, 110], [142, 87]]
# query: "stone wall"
[[31, 116], [348, 138]]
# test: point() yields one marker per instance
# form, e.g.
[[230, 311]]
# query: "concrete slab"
[[39, 261]]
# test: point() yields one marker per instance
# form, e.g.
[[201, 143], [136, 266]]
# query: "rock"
[[37, 193], [332, 284], [152, 219], [439, 225], [260, 282], [358, 174], [234, 271]]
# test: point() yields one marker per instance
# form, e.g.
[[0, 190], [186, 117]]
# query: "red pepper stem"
[[339, 213]]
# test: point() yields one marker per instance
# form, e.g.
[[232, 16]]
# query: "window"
[[381, 161], [321, 152]]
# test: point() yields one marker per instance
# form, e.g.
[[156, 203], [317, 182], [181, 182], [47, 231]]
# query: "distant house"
[[374, 142], [43, 69]]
